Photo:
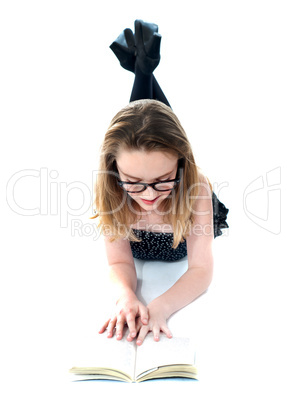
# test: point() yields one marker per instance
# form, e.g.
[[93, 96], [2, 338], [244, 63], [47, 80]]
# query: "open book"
[[121, 360]]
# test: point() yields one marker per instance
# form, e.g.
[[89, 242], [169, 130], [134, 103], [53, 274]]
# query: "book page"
[[167, 351], [98, 351]]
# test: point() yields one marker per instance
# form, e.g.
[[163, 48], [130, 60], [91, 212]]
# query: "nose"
[[149, 193]]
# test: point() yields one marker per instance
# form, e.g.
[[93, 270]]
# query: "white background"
[[223, 69]]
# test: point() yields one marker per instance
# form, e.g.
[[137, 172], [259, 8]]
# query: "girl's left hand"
[[156, 323]]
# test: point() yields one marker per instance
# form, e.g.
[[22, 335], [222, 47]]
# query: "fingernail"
[[145, 321], [139, 342], [133, 334]]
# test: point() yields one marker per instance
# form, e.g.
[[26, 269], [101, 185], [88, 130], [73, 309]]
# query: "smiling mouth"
[[149, 201]]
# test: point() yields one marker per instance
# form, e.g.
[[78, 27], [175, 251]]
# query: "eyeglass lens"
[[134, 187]]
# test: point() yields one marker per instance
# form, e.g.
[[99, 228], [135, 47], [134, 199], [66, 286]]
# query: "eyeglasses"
[[165, 185]]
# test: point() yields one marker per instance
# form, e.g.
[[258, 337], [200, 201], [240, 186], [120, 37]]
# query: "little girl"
[[152, 201]]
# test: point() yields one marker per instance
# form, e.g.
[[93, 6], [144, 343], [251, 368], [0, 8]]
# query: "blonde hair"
[[145, 125]]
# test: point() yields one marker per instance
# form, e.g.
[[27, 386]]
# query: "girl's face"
[[147, 167]]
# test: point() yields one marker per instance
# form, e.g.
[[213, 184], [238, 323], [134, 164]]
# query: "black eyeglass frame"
[[146, 185]]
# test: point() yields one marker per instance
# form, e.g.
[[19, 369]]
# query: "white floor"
[[61, 85]]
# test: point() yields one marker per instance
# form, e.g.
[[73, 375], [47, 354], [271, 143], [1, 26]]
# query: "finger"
[[119, 328], [131, 322], [129, 337], [142, 334], [138, 327], [144, 314], [104, 327], [156, 332], [111, 327], [139, 324], [166, 330]]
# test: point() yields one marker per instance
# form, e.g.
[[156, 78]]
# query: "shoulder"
[[200, 239], [202, 206], [205, 187]]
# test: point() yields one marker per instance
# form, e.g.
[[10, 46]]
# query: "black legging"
[[146, 87]]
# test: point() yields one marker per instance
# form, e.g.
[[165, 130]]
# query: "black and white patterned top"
[[158, 245]]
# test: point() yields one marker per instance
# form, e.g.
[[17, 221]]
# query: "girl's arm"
[[124, 281], [196, 279]]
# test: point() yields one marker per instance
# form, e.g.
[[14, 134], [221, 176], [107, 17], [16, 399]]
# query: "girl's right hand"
[[127, 310]]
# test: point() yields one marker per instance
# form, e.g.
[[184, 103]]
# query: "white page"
[[100, 351], [153, 354]]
